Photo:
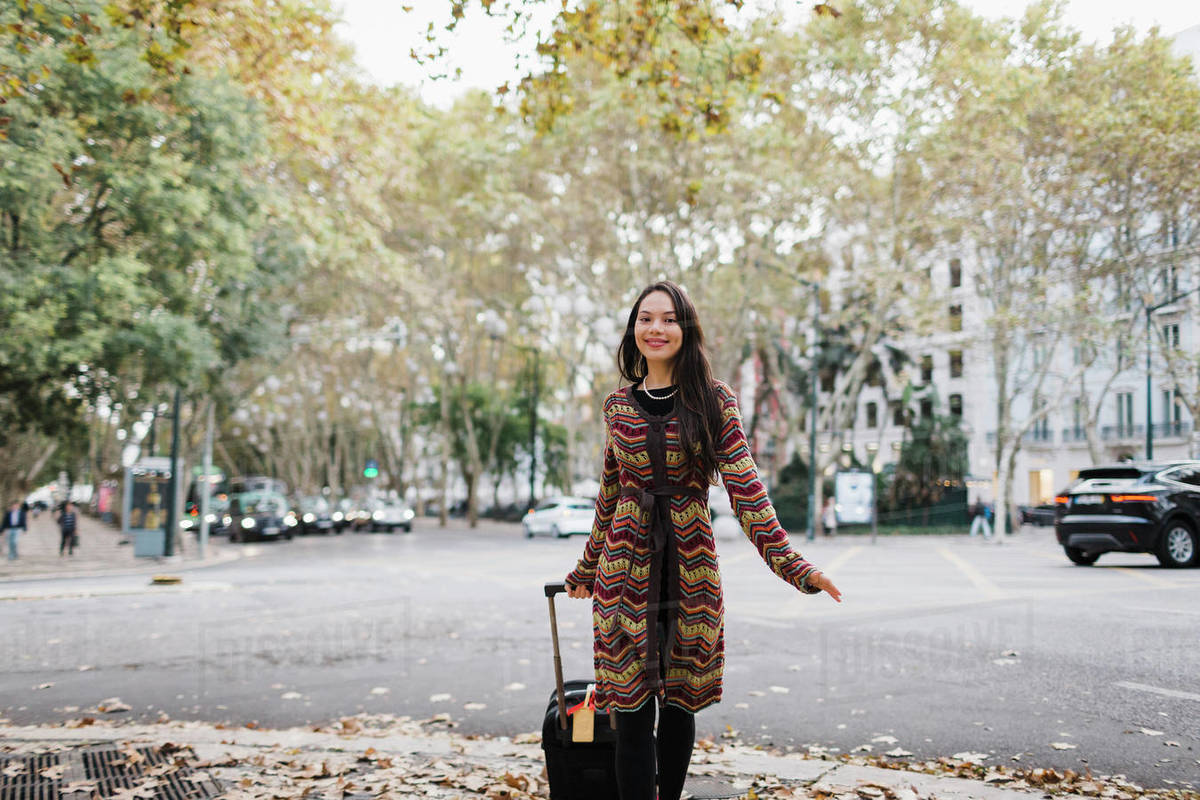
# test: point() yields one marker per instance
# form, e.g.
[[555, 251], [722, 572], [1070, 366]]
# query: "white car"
[[560, 517], [387, 515]]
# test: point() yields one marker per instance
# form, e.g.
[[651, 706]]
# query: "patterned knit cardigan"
[[650, 515]]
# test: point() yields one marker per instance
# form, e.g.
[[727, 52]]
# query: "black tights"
[[638, 757]]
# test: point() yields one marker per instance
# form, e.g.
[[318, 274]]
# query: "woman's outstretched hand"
[[578, 592], [821, 581]]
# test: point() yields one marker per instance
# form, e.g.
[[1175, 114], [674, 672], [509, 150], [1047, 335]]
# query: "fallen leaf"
[[898, 752], [380, 690], [1063, 746], [976, 757], [112, 705], [474, 706], [291, 696], [43, 686], [515, 687], [53, 773], [885, 740], [439, 698], [780, 689], [1150, 732]]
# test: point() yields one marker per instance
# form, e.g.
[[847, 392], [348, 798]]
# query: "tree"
[[131, 229]]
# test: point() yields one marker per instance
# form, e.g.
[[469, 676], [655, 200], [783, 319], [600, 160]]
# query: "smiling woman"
[[650, 564]]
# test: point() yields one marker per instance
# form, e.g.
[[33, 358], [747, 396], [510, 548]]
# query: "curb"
[[142, 568]]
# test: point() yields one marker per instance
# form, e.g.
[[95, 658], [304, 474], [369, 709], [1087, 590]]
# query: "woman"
[[650, 565]]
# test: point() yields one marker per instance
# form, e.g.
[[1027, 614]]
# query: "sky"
[[383, 34]]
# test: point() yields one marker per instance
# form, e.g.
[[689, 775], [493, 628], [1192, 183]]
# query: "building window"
[[956, 318], [1172, 413], [1171, 335], [926, 408], [926, 370], [897, 413], [956, 405], [956, 364], [955, 273], [872, 415], [1125, 413]]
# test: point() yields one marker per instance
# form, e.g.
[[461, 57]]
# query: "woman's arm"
[[752, 507], [584, 574]]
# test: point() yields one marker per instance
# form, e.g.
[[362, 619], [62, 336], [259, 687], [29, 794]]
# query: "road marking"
[[1142, 576], [841, 559], [1141, 687], [977, 578]]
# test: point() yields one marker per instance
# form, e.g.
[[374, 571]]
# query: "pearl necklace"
[[655, 397]]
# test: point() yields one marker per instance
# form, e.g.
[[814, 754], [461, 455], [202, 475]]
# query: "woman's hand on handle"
[[578, 592], [821, 581]]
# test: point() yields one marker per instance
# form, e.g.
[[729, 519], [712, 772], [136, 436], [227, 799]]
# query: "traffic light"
[[371, 470]]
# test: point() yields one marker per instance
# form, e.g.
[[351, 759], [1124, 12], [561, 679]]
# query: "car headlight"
[[310, 517], [409, 513], [227, 521], [290, 521], [186, 524], [377, 515], [247, 522], [337, 516], [210, 518]]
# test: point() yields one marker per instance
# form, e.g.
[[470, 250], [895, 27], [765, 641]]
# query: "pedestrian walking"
[[15, 521], [650, 565], [68, 531], [981, 520], [829, 517]]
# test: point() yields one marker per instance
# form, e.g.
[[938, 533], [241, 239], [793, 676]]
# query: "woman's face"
[[656, 330]]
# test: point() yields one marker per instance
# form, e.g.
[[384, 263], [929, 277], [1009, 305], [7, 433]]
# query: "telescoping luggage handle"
[[553, 588], [558, 587]]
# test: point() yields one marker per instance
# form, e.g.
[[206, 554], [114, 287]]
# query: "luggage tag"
[[583, 722]]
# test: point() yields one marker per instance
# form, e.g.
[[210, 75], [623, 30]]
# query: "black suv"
[[1132, 508]]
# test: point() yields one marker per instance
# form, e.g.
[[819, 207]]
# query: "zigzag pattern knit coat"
[[648, 511]]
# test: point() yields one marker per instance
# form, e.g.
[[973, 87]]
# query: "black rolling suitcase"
[[577, 770]]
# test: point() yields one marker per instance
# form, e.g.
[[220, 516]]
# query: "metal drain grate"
[[111, 769], [28, 783]]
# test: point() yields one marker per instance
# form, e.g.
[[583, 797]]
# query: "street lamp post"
[[813, 380], [1150, 309], [533, 413], [497, 329]]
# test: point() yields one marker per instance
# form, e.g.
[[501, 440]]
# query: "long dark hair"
[[696, 404]]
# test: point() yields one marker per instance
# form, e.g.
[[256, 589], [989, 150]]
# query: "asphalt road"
[[943, 645]]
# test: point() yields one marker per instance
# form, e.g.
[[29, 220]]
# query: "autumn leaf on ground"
[[826, 10], [112, 705]]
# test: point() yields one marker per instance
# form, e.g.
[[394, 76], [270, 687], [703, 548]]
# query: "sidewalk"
[[395, 757], [100, 552]]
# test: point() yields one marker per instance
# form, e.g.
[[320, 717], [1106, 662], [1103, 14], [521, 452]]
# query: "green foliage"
[[933, 461], [134, 246]]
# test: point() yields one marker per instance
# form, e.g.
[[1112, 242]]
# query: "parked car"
[[259, 515], [317, 515], [1132, 508], [1041, 516], [560, 517], [217, 511], [387, 515]]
